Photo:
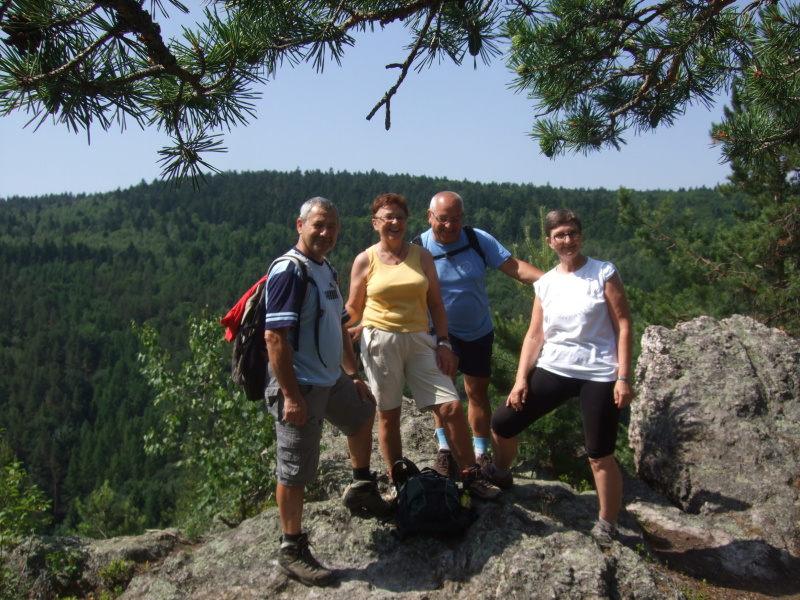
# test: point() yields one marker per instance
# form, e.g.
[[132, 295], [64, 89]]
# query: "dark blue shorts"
[[475, 357]]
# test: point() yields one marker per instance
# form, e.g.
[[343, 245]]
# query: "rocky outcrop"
[[715, 428], [533, 544]]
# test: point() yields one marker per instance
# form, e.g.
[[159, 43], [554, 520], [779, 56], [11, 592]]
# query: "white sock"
[[607, 525]]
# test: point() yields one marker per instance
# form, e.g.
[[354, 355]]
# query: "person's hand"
[[518, 394], [447, 361], [623, 394], [355, 332], [364, 392], [294, 411]]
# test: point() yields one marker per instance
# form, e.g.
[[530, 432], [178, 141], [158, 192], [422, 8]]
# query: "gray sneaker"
[[479, 487], [504, 482], [296, 561], [364, 496], [603, 535], [445, 464]]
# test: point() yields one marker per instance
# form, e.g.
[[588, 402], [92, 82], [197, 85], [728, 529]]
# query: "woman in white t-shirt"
[[579, 344]]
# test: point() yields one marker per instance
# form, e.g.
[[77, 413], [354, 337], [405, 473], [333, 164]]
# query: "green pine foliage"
[[594, 68], [751, 266], [105, 515]]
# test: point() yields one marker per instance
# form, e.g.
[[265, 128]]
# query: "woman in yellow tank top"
[[394, 293]]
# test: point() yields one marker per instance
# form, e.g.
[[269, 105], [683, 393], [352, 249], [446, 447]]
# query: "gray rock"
[[535, 543], [715, 428]]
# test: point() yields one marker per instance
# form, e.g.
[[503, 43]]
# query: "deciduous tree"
[[222, 442]]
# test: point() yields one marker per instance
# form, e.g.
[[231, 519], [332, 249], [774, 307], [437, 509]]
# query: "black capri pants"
[[547, 391]]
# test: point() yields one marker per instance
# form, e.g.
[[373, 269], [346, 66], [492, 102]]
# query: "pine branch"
[[404, 67]]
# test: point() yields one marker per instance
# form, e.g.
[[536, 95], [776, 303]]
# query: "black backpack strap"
[[306, 278], [301, 264], [472, 237], [320, 310], [472, 242]]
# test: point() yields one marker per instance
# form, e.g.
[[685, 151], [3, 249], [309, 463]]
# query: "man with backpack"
[[314, 377], [461, 255]]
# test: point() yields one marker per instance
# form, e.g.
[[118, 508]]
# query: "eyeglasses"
[[398, 218], [573, 235], [451, 220]]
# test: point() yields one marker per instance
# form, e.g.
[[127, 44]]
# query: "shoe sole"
[[360, 509], [305, 581], [485, 497], [363, 511]]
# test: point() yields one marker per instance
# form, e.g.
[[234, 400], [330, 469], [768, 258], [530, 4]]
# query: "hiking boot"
[[445, 464], [490, 474], [364, 496], [484, 460], [604, 535], [477, 486], [296, 561]]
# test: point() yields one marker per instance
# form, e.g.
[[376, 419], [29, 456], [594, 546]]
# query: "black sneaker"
[[296, 561], [364, 496], [490, 474], [445, 464], [478, 486]]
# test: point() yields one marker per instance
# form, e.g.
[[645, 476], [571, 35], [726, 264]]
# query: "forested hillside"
[[78, 270]]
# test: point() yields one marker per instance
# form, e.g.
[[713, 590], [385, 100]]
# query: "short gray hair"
[[457, 197], [316, 201]]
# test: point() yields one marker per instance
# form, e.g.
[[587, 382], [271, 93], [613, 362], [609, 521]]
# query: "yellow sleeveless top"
[[396, 294]]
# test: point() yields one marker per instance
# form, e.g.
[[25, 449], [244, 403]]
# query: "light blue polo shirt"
[[463, 282]]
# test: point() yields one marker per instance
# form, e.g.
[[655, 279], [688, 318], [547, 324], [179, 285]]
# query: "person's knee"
[[503, 427], [389, 416], [478, 401], [449, 411], [602, 463]]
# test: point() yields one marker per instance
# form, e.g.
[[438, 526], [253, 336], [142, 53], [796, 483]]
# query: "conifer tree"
[[594, 68], [752, 267]]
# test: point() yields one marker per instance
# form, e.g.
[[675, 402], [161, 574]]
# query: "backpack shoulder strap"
[[308, 280], [333, 271], [474, 243], [305, 276]]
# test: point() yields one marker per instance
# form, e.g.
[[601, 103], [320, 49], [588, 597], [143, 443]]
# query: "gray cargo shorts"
[[298, 447]]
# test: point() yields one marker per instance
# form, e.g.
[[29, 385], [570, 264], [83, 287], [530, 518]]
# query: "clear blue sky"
[[447, 121]]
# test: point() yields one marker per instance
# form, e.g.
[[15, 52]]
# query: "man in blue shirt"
[[313, 377], [462, 277]]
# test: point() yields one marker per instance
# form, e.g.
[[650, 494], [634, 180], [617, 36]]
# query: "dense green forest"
[[79, 270]]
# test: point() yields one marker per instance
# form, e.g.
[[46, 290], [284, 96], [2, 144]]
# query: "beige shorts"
[[393, 358]]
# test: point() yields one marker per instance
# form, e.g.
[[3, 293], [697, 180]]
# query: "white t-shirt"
[[579, 337]]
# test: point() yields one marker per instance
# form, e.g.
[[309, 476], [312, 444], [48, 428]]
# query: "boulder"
[[715, 428]]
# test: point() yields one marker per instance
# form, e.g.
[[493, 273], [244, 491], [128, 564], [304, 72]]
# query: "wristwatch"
[[354, 376], [444, 343]]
